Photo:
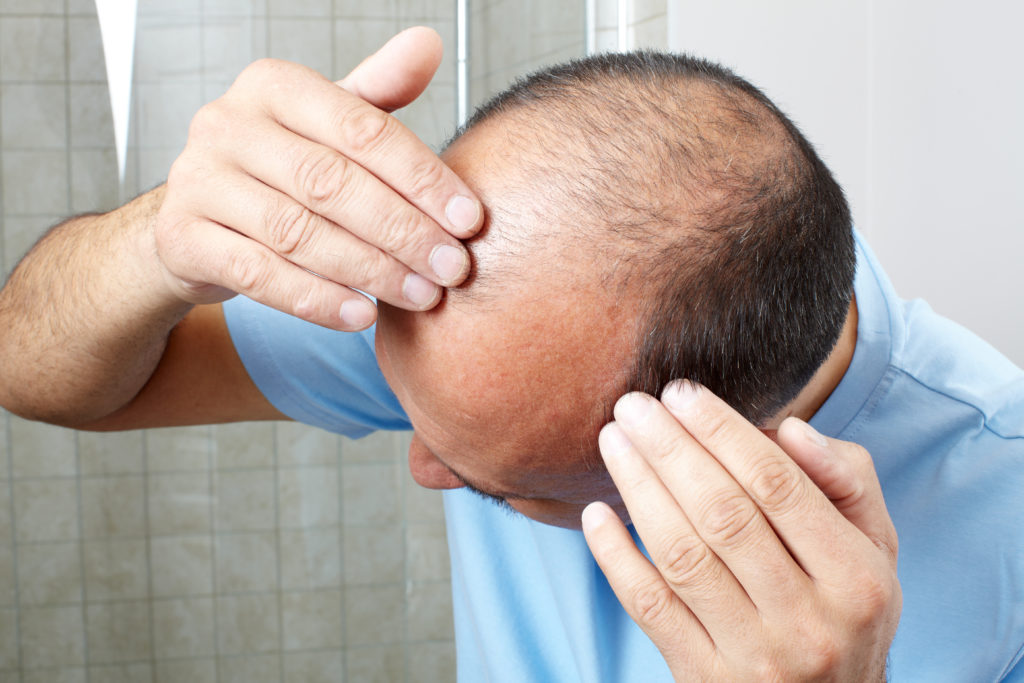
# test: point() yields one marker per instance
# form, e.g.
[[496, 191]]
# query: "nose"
[[427, 470]]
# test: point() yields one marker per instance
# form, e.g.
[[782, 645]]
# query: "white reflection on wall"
[[117, 27]]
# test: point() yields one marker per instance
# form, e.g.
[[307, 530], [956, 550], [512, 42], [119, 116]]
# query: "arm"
[[292, 191]]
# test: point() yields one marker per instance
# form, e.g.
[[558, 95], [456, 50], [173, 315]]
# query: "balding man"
[[649, 218]]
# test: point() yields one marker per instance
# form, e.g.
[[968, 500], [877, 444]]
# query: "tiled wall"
[[255, 552]]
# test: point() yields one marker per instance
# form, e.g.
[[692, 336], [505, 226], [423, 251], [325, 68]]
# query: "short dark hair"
[[736, 233]]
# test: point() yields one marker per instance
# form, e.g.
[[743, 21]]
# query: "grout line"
[[149, 555], [342, 588], [277, 555], [14, 545]]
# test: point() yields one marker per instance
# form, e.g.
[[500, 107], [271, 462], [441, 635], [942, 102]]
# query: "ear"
[[399, 72]]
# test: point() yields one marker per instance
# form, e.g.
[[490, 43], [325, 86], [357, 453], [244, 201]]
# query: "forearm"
[[85, 316]]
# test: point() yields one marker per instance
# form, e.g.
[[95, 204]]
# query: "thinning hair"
[[698, 195]]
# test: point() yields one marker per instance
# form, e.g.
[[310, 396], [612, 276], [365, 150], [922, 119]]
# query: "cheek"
[[427, 470]]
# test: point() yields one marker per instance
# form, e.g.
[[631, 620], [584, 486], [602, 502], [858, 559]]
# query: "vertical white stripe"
[[117, 28]]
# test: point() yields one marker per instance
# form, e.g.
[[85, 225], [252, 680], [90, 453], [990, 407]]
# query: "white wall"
[[918, 107]]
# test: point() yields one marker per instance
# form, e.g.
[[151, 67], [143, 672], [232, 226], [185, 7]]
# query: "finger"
[[688, 565], [845, 474], [646, 597], [315, 108], [307, 239], [329, 184], [820, 539], [242, 265], [398, 72], [721, 513]]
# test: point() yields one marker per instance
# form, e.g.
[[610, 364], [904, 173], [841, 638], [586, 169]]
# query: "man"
[[594, 274]]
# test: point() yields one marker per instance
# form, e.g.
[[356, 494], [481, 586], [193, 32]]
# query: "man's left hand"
[[770, 561]]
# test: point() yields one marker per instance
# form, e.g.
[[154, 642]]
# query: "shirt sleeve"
[[313, 375]]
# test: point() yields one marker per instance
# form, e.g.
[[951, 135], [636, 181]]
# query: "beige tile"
[[426, 553], [247, 623], [244, 445], [305, 41], [21, 232], [374, 614], [164, 110], [183, 628], [81, 7], [230, 44], [376, 448], [310, 558], [49, 573], [371, 494], [32, 49], [433, 662], [8, 638], [178, 449], [244, 500], [118, 632], [75, 675], [154, 163], [312, 667], [46, 510], [110, 452], [246, 562], [186, 671], [122, 673], [113, 507], [179, 503], [7, 596], [95, 183], [4, 416], [181, 565], [92, 124], [320, 9], [308, 497], [299, 444], [422, 505], [85, 50], [429, 612], [311, 619], [34, 115], [374, 554], [35, 181], [52, 636], [167, 51], [249, 669], [6, 530], [381, 664], [116, 570], [41, 450]]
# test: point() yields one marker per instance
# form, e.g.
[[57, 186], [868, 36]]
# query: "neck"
[[826, 379]]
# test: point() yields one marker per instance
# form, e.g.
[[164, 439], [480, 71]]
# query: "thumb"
[[846, 475], [399, 72]]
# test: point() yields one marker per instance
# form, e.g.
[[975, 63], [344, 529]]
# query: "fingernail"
[[633, 409], [612, 441], [679, 394], [419, 290], [462, 213], [594, 516], [447, 262], [357, 313], [812, 435]]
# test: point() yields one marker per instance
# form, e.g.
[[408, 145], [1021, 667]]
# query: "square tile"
[[380, 664], [46, 510], [426, 553], [7, 596], [35, 181], [186, 671], [41, 450], [179, 503], [181, 565], [34, 115], [421, 504], [52, 636], [122, 673], [49, 573], [116, 570], [178, 449], [429, 612], [376, 448], [243, 445], [6, 530], [300, 8], [434, 662], [8, 638], [305, 41], [311, 619], [247, 624], [118, 632], [95, 180], [21, 232], [73, 675], [113, 507], [307, 497], [374, 614], [167, 51], [92, 124], [310, 558], [246, 562], [163, 112], [312, 667], [374, 554], [299, 444], [32, 49], [183, 628], [359, 38], [110, 453], [244, 500], [250, 669], [85, 50], [371, 494]]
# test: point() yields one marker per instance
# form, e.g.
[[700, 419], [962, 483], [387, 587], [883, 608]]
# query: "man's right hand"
[[295, 192]]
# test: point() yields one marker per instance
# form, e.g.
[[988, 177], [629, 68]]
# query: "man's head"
[[650, 217]]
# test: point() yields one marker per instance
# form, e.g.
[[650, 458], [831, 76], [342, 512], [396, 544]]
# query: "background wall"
[[916, 106]]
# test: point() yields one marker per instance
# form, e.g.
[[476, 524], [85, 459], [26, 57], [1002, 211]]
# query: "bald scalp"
[[670, 181]]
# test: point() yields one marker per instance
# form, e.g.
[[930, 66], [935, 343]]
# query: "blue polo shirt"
[[941, 412]]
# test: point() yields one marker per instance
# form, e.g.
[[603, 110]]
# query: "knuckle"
[[652, 602], [688, 562], [401, 231], [821, 654], [322, 178], [776, 486], [764, 667], [728, 519], [426, 178], [364, 127], [290, 229], [246, 271], [260, 70]]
